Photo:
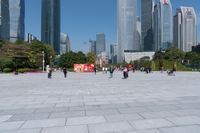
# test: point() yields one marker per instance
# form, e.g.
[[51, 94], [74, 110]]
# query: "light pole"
[[43, 61]]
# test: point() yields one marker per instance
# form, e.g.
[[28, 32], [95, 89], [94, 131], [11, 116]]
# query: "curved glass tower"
[[163, 25], [185, 25], [126, 31], [50, 29], [17, 15]]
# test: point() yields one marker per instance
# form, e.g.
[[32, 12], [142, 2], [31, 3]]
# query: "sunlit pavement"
[[88, 103]]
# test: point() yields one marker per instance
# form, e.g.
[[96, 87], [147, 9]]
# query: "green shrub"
[[7, 70], [24, 70]]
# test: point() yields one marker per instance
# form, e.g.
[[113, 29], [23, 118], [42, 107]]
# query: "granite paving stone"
[[89, 103]]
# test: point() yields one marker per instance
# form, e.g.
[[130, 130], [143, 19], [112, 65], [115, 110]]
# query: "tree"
[[193, 58], [174, 54], [71, 58], [159, 55], [37, 48], [91, 58], [6, 63]]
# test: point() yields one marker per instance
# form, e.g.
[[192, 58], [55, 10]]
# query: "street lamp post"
[[43, 61]]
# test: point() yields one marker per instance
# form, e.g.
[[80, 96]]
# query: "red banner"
[[84, 67]]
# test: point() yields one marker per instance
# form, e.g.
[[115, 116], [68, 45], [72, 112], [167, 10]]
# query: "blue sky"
[[82, 19]]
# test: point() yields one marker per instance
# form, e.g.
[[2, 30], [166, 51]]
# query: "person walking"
[[125, 73], [111, 72], [65, 72], [95, 70], [50, 73]]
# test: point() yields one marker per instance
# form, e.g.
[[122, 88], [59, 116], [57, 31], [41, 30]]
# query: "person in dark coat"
[[111, 72], [50, 73], [95, 70], [65, 72]]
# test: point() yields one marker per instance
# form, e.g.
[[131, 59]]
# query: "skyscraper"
[[100, 43], [50, 28], [65, 44], [4, 20], [147, 23], [113, 53], [126, 31], [185, 28], [138, 34], [93, 46], [17, 16], [163, 25]]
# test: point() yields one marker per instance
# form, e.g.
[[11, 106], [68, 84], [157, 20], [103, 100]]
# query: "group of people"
[[112, 69], [50, 70]]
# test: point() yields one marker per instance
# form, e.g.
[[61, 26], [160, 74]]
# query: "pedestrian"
[[111, 72], [125, 73], [106, 70], [50, 73], [95, 70], [65, 72]]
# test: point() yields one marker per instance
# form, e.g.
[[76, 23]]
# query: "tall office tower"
[[92, 46], [113, 53], [163, 25], [100, 43], [65, 44], [126, 31], [147, 24], [17, 20], [50, 25], [4, 20], [68, 44], [185, 28], [138, 34]]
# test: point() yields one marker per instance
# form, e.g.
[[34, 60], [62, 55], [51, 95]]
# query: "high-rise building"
[[4, 20], [163, 25], [68, 44], [138, 34], [92, 46], [113, 53], [147, 24], [185, 28], [127, 23], [100, 43], [65, 44], [17, 22], [50, 27]]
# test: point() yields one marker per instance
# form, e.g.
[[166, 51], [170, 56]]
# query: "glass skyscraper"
[[50, 27], [126, 31], [163, 25], [17, 16], [185, 28], [100, 43], [147, 23], [4, 20]]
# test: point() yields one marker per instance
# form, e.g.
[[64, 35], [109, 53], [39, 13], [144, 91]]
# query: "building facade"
[[163, 25], [138, 34], [147, 7], [185, 28], [127, 23], [65, 43], [17, 20], [93, 46], [50, 23], [100, 43], [4, 20], [113, 53], [131, 56]]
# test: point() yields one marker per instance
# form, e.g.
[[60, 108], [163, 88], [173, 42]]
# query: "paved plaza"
[[88, 103]]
